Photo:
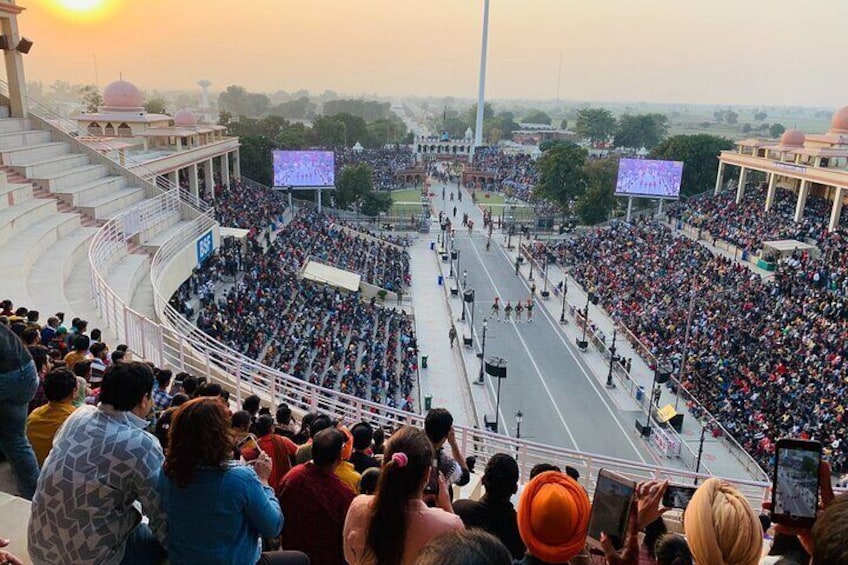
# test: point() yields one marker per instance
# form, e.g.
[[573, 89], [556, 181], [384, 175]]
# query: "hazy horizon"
[[659, 51]]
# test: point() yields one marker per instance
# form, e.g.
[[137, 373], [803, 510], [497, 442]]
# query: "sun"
[[80, 5]]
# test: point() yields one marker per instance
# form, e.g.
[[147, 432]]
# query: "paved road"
[[547, 381]]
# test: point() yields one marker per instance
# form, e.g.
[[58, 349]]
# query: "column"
[[237, 165], [210, 178], [719, 178], [740, 190], [14, 69], [802, 200], [225, 170], [319, 199], [174, 178], [193, 183], [836, 210], [771, 191]]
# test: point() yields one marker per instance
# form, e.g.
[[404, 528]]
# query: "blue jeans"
[[16, 390], [143, 548]]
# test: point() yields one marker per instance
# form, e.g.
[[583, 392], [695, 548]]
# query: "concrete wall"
[[179, 268]]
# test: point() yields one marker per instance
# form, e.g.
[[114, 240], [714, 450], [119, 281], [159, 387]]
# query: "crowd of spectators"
[[384, 162], [747, 225], [755, 344], [516, 174], [312, 331], [255, 209]]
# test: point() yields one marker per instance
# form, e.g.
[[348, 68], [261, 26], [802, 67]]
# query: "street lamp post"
[[530, 278], [483, 351], [564, 292], [590, 297], [457, 264], [613, 358], [464, 274], [700, 452], [519, 416], [545, 287], [685, 348]]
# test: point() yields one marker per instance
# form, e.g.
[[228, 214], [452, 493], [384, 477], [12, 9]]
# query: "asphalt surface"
[[546, 379]]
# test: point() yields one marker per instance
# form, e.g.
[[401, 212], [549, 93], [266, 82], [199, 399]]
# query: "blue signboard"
[[205, 245]]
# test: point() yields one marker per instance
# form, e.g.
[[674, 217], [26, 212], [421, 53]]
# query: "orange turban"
[[553, 517], [347, 448], [721, 527]]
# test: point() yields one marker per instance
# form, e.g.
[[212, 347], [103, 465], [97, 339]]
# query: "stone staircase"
[[52, 201]]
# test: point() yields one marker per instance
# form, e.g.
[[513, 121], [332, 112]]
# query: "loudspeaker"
[[466, 340], [496, 367], [582, 344], [24, 45], [676, 422], [468, 295], [644, 430], [491, 425]]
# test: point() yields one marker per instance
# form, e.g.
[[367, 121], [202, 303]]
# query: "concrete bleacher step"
[[73, 195], [20, 253], [44, 168], [151, 244], [13, 523], [126, 274], [34, 152], [15, 124], [14, 193], [47, 277], [109, 205], [142, 300], [57, 182], [18, 139], [21, 216]]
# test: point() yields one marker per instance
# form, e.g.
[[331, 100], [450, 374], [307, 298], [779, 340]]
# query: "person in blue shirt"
[[217, 508]]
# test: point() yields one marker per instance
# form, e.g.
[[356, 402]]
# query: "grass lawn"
[[411, 195], [494, 198]]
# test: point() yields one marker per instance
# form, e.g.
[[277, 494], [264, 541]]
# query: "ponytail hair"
[[406, 464]]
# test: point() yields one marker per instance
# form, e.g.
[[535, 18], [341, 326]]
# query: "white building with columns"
[[808, 164], [180, 148]]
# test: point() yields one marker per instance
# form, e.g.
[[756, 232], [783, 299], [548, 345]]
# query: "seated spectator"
[[361, 457], [318, 424], [721, 527], [102, 462], [18, 383], [829, 539], [48, 332], [464, 547], [315, 502], [280, 450], [31, 336], [82, 370], [79, 352], [43, 364], [60, 386], [553, 518], [672, 549], [345, 471], [369, 480], [216, 509], [118, 356], [395, 524], [439, 428], [161, 398], [99, 358], [285, 424], [163, 425], [494, 512]]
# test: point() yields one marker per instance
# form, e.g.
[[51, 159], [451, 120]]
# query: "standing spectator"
[[318, 424], [279, 449], [251, 405], [101, 463], [439, 428], [452, 335], [216, 509], [395, 524], [494, 512], [18, 383], [315, 502], [345, 471], [285, 426], [361, 456], [60, 387], [240, 424], [161, 398]]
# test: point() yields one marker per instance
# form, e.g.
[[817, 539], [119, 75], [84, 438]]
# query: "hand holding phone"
[[610, 509], [248, 448], [795, 486], [678, 496]]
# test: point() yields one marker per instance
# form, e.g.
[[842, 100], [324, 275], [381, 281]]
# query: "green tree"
[[90, 98], [731, 117], [595, 124], [297, 109], [760, 116], [594, 205], [563, 124], [374, 203], [776, 130], [155, 105], [642, 130], [561, 174], [255, 156], [471, 116], [353, 184], [746, 128], [239, 102], [328, 132], [537, 117], [699, 154]]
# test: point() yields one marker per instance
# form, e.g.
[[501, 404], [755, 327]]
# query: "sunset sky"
[[694, 51]]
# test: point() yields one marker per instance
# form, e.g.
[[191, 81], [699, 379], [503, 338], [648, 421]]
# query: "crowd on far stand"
[[161, 468], [384, 163], [312, 331], [516, 173], [754, 343], [249, 208]]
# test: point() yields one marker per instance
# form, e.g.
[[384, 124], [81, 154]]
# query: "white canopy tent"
[[325, 274]]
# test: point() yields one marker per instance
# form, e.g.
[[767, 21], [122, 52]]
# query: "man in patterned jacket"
[[101, 464]]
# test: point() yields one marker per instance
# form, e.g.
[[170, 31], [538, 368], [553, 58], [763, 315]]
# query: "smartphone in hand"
[[795, 487], [610, 508], [678, 496], [248, 448]]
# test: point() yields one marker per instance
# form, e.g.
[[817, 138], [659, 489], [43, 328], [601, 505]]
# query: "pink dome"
[[122, 95], [839, 123], [792, 138], [185, 118]]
